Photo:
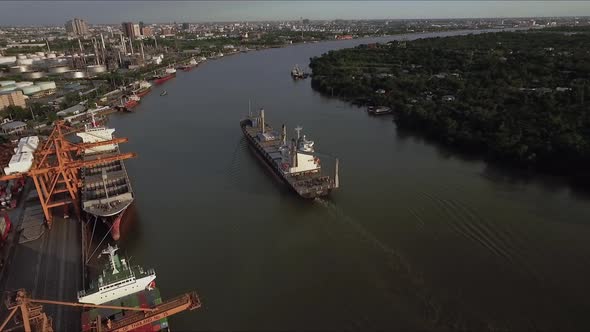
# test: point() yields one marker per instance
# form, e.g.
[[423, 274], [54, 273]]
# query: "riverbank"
[[493, 93]]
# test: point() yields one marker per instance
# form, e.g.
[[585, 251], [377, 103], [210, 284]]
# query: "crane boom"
[[87, 305], [188, 301], [34, 319]]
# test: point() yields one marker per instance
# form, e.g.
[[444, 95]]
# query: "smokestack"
[[262, 119], [336, 177], [48, 49]]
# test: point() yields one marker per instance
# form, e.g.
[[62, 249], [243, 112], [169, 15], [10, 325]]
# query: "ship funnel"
[[262, 119], [336, 177]]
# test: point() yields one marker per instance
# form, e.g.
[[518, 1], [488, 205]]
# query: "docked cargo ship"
[[106, 191], [118, 279], [295, 161], [143, 89], [129, 102], [169, 73]]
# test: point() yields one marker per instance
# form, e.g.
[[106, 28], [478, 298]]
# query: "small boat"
[[379, 110], [164, 93]]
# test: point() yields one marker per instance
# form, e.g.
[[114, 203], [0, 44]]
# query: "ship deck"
[[118, 193], [310, 184]]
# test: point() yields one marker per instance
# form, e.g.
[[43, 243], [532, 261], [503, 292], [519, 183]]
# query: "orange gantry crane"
[[56, 168], [33, 319]]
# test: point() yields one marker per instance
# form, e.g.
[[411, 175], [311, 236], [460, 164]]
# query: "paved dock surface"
[[49, 267]]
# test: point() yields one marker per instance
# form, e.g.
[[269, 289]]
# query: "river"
[[417, 237]]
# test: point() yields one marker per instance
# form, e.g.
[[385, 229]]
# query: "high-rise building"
[[12, 98], [185, 26], [147, 31], [131, 30], [77, 27]]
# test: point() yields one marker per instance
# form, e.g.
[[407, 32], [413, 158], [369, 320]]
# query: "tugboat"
[[106, 191], [117, 280], [295, 161]]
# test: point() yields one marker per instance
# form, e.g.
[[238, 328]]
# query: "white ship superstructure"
[[117, 280]]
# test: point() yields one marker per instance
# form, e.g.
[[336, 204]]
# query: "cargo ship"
[[295, 161], [118, 279], [129, 102], [144, 88], [297, 73], [120, 284], [190, 65], [106, 191], [169, 73]]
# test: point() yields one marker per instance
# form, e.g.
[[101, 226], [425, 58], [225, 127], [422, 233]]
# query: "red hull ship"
[[142, 92], [162, 79]]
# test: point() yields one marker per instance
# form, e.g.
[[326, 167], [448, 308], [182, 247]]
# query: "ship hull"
[[265, 158], [141, 93], [163, 79]]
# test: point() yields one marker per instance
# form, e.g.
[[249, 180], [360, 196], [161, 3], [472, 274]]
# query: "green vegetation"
[[520, 96]]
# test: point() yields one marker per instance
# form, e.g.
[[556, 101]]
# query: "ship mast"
[[111, 252], [262, 119], [298, 130]]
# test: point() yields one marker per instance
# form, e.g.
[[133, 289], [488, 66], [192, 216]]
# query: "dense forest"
[[518, 96]]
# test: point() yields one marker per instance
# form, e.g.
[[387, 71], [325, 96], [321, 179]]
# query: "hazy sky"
[[57, 12]]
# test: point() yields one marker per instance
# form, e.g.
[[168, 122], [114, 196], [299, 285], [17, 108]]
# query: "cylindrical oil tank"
[[58, 70], [7, 60], [8, 87], [18, 69], [96, 69], [21, 62], [29, 90], [20, 85], [75, 74], [33, 75], [46, 85], [3, 83]]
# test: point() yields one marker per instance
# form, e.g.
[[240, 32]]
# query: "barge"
[[295, 161]]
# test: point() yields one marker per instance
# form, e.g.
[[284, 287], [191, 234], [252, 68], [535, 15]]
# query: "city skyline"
[[103, 12]]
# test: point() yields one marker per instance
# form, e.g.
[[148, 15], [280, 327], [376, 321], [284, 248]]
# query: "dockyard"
[[64, 199]]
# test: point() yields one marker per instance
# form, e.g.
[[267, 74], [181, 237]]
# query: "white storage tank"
[[32, 89], [7, 60], [20, 85], [3, 83], [46, 85], [40, 53], [96, 69], [33, 75], [51, 55], [75, 74], [9, 87], [58, 70], [21, 62]]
